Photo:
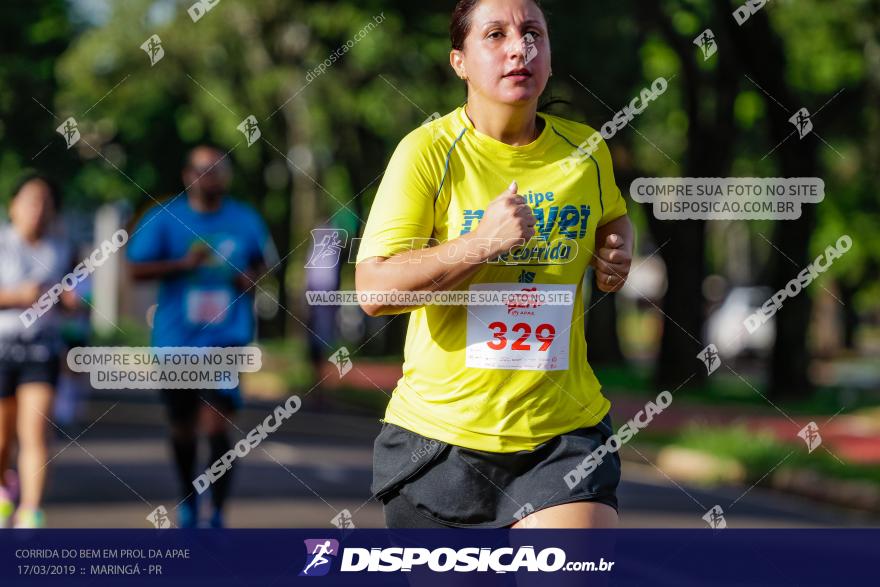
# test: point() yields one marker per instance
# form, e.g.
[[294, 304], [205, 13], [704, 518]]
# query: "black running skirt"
[[462, 487]]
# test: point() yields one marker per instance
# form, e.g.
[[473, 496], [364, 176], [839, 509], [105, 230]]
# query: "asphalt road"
[[117, 471]]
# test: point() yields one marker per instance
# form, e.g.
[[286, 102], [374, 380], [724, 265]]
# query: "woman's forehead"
[[34, 188], [501, 12]]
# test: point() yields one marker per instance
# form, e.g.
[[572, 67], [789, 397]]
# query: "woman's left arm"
[[613, 254]]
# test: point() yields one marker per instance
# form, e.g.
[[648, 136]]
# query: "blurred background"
[[729, 439]]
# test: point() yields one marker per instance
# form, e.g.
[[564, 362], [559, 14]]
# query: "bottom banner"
[[437, 557]]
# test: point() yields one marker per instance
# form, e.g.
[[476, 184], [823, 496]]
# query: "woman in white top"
[[32, 259]]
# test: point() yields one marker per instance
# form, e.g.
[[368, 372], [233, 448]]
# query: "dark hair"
[[460, 25], [29, 176]]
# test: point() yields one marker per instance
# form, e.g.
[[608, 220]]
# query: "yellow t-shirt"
[[496, 378]]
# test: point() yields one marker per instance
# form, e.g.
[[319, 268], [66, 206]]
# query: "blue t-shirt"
[[203, 307]]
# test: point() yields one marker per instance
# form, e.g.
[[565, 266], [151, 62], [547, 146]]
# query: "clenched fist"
[[612, 263], [507, 222]]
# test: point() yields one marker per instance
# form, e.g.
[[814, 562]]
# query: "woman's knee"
[[33, 433]]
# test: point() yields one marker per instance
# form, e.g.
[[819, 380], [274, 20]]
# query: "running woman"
[[207, 251], [497, 404], [32, 259]]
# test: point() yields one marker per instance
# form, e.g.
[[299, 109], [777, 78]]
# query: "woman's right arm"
[[21, 296], [507, 222]]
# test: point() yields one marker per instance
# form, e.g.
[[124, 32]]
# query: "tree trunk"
[[709, 154], [763, 56]]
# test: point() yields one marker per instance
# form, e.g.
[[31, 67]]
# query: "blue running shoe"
[[188, 514]]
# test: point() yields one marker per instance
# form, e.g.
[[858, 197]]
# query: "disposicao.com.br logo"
[[441, 560]]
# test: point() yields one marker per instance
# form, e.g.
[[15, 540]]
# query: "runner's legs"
[[7, 433], [215, 422], [34, 409]]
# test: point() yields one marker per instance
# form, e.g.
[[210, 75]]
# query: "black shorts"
[[26, 363], [449, 485], [183, 405]]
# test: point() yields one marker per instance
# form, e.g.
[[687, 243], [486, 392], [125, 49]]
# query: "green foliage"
[[33, 35], [327, 139], [760, 452]]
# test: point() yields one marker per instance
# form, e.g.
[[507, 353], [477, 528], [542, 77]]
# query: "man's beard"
[[213, 195]]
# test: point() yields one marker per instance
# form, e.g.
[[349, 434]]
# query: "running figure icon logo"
[[343, 520], [530, 51], [710, 358], [250, 130], [523, 514], [810, 434], [706, 42], [801, 121], [69, 131], [715, 518], [159, 518], [153, 48], [342, 360], [437, 130], [327, 245], [319, 555]]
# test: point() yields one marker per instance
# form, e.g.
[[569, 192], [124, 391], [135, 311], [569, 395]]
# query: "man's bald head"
[[207, 172]]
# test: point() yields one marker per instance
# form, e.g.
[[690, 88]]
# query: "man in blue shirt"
[[207, 251]]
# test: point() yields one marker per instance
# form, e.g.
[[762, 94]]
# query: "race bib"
[[207, 306], [524, 333]]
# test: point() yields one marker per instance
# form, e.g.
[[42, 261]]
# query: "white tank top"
[[46, 263]]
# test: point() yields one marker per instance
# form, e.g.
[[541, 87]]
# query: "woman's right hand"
[[28, 293], [507, 222]]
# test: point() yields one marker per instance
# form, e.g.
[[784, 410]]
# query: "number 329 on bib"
[[522, 337]]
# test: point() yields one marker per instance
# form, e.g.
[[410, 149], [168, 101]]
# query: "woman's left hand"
[[613, 256]]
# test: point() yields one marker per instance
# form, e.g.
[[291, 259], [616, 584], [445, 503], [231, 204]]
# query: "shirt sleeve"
[[613, 204], [402, 216], [147, 242]]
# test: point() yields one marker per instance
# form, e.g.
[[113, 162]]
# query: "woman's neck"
[[513, 125]]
